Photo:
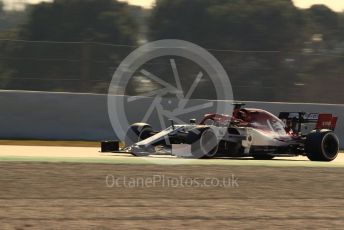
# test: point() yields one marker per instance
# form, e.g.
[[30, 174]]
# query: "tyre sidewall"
[[315, 145], [195, 139], [137, 132], [329, 135]]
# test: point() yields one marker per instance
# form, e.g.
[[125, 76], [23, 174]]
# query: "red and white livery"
[[247, 132]]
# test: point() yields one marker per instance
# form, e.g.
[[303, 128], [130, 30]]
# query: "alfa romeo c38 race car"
[[247, 132]]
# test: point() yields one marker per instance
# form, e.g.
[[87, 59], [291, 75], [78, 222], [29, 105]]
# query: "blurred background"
[[273, 50]]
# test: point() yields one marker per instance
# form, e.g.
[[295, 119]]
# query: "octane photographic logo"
[[165, 181], [170, 100]]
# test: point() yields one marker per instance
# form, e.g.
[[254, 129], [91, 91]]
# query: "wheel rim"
[[144, 134], [330, 146], [209, 144]]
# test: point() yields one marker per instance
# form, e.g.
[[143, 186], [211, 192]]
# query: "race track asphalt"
[[92, 155]]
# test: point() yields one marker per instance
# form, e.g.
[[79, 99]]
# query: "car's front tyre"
[[204, 143], [138, 132]]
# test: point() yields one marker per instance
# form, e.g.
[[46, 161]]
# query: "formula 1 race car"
[[246, 133]]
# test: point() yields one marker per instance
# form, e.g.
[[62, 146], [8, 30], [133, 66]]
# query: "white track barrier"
[[72, 116]]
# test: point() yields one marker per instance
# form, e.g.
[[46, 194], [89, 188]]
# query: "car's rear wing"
[[306, 122]]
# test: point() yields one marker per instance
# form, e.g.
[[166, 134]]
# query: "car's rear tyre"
[[322, 145], [138, 132], [262, 157], [204, 143]]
